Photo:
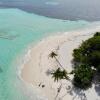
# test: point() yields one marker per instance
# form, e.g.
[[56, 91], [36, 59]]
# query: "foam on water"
[[18, 29]]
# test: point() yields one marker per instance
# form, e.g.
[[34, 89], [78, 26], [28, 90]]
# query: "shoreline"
[[58, 41]]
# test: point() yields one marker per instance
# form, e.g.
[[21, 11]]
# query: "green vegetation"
[[87, 58], [83, 75], [60, 74], [54, 55], [86, 63]]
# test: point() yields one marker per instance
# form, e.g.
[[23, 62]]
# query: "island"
[[65, 67]]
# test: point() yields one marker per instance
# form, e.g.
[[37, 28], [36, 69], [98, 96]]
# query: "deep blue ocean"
[[62, 9]]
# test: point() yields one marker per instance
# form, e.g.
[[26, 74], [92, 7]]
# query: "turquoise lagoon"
[[18, 29]]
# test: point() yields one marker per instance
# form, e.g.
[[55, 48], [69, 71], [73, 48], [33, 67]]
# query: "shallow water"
[[18, 29]]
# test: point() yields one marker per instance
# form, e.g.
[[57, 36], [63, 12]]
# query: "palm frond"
[[52, 54]]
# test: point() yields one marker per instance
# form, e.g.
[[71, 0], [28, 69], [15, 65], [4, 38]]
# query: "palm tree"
[[56, 74], [54, 55], [59, 74], [65, 75]]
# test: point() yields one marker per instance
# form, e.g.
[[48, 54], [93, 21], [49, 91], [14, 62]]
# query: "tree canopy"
[[83, 75], [86, 57], [59, 74]]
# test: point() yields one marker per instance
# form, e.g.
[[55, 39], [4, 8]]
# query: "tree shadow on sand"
[[96, 82], [74, 91], [97, 89], [48, 72], [77, 93]]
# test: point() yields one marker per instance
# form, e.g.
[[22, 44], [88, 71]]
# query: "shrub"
[[94, 58], [86, 57], [97, 34], [89, 51], [83, 75], [98, 67]]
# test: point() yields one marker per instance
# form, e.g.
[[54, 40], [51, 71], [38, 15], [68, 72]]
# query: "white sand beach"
[[36, 69]]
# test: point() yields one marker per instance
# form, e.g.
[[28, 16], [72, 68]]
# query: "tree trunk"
[[59, 63]]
